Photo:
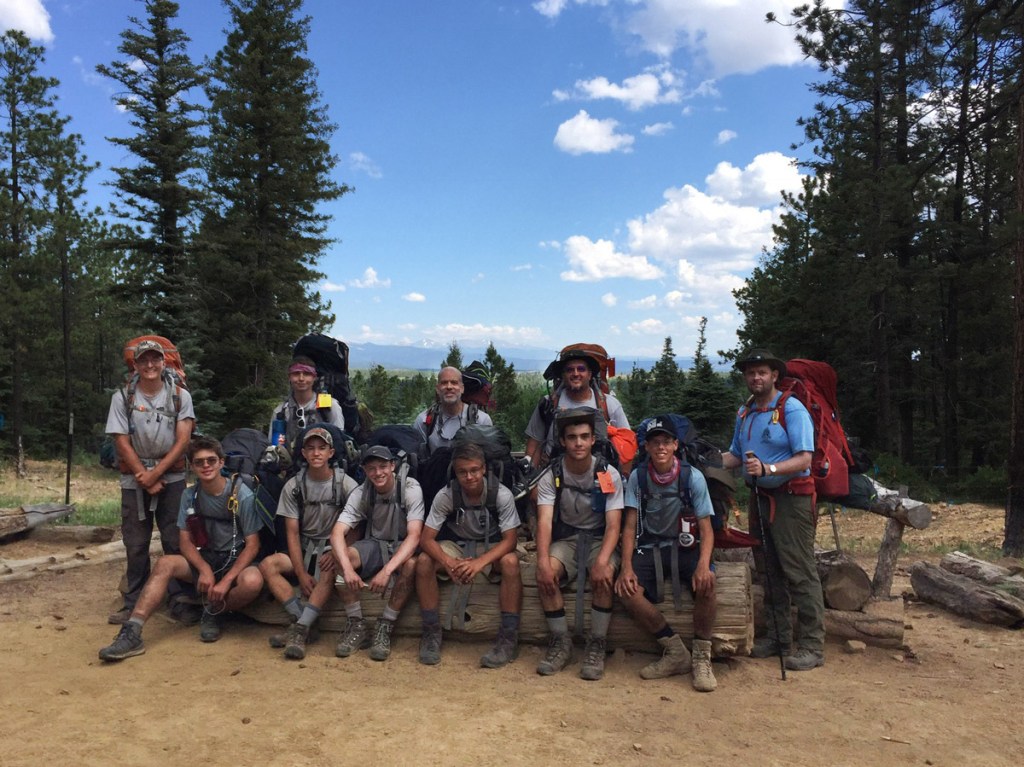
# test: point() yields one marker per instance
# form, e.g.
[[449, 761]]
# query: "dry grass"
[[94, 490]]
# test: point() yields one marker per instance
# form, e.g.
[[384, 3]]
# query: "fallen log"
[[22, 518], [914, 514], [1000, 578], [880, 623], [23, 569], [844, 583], [733, 634], [75, 534], [966, 597]]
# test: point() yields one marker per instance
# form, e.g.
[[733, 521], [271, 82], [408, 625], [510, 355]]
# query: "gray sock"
[[600, 617], [430, 617], [558, 624], [354, 610], [309, 614], [389, 614], [137, 622], [293, 607]]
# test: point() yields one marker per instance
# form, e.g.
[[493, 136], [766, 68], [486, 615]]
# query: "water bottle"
[[278, 432], [196, 528]]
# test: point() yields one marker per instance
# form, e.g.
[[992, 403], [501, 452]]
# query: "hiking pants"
[[788, 557], [138, 532]]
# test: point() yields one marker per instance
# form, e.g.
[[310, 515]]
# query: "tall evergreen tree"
[[160, 191], [667, 382], [454, 358], [710, 399], [269, 171], [505, 389]]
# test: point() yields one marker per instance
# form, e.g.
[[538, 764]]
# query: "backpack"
[[598, 499], [331, 359], [695, 452], [346, 454], [434, 414], [249, 457], [174, 379], [407, 446], [435, 471], [814, 385], [477, 382]]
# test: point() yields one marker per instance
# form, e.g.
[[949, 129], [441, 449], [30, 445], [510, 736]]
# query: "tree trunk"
[[888, 551], [1000, 578], [1013, 534], [966, 597], [844, 583]]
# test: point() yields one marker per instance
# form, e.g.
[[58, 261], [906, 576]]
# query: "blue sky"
[[529, 173]]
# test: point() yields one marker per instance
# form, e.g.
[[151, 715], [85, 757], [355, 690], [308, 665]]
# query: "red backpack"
[[814, 385]]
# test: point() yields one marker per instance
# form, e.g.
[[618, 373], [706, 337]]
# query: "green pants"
[[788, 561]]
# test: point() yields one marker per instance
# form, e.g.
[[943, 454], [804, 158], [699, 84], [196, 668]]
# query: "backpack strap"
[[431, 418]]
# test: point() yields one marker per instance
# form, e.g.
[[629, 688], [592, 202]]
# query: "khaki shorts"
[[457, 551], [565, 552]]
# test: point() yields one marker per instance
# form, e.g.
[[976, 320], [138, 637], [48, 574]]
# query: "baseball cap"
[[322, 433], [661, 424], [148, 346], [378, 452]]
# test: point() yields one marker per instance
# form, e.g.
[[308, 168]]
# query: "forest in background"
[[895, 263]]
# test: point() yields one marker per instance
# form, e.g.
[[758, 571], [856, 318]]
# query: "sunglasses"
[[210, 461], [300, 417], [576, 368]]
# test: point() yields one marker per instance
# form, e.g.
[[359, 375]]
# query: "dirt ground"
[[952, 697]]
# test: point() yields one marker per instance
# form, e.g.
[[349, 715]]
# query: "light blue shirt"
[[761, 432]]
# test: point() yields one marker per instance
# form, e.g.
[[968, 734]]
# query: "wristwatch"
[[771, 468]]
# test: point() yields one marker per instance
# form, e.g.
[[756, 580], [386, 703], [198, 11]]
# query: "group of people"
[[615, 535]]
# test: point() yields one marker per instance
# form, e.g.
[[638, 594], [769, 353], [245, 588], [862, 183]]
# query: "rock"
[[637, 747], [854, 646]]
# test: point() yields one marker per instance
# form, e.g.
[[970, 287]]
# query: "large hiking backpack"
[[698, 453], [814, 384], [477, 382], [331, 359], [346, 454], [174, 379], [249, 455]]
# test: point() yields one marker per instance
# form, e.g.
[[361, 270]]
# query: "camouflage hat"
[[320, 432], [148, 346]]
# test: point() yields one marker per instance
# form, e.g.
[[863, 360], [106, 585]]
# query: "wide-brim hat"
[[762, 357], [556, 368]]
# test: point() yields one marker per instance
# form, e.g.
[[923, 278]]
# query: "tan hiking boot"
[[674, 660], [703, 676]]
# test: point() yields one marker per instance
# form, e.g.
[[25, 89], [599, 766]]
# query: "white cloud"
[[725, 136], [647, 327], [757, 184], [363, 163], [366, 333], [583, 133], [647, 302], [370, 280], [416, 298], [137, 65], [657, 129], [592, 261], [521, 268], [407, 326], [478, 277], [609, 299], [553, 244], [481, 332], [332, 287], [29, 16], [552, 8], [657, 85]]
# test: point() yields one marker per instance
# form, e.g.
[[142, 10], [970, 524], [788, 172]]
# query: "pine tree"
[[504, 388], [710, 399], [160, 191], [454, 358], [667, 382], [269, 170]]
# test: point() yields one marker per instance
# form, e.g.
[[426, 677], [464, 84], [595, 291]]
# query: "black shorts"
[[219, 561], [647, 575]]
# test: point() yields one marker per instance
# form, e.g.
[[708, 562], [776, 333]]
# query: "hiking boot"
[[120, 617], [185, 613], [209, 627], [127, 643], [592, 667], [295, 645], [804, 660], [674, 660], [766, 647], [703, 676], [430, 645], [356, 636], [505, 650], [280, 639], [381, 648], [558, 655]]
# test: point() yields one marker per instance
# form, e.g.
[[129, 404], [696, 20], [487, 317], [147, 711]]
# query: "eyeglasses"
[[209, 461], [149, 362], [576, 368]]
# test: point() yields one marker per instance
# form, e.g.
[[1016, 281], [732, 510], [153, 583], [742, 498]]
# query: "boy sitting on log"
[[479, 519], [310, 504], [657, 537]]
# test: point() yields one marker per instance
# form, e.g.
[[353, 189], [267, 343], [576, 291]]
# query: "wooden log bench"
[[733, 634]]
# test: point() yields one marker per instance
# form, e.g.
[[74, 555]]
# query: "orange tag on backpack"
[[323, 400], [605, 482]]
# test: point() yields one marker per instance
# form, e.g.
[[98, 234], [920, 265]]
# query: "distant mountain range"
[[428, 356]]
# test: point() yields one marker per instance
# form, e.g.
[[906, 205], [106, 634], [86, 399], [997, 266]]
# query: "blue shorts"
[[646, 570]]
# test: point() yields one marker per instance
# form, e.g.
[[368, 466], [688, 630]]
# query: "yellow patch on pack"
[[323, 400]]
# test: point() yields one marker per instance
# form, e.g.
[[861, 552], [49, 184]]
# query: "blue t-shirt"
[[761, 432], [699, 496]]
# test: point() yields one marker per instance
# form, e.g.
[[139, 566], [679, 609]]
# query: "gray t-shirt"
[[295, 414], [224, 531], [576, 506], [387, 521], [155, 423], [545, 433], [472, 523], [320, 511], [446, 425]]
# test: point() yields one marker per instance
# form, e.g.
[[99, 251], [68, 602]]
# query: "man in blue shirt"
[[773, 442]]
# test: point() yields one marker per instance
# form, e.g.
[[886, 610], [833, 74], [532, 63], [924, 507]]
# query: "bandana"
[[299, 367], [666, 478]]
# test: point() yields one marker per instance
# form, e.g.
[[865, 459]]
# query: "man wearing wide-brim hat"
[[774, 442]]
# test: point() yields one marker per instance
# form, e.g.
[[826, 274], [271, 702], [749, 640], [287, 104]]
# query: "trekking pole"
[[767, 576]]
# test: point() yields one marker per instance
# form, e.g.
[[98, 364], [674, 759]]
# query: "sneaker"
[[592, 667], [381, 647], [804, 660], [766, 647], [209, 627], [295, 645], [356, 636], [120, 617], [505, 650], [430, 645], [558, 655], [127, 643]]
